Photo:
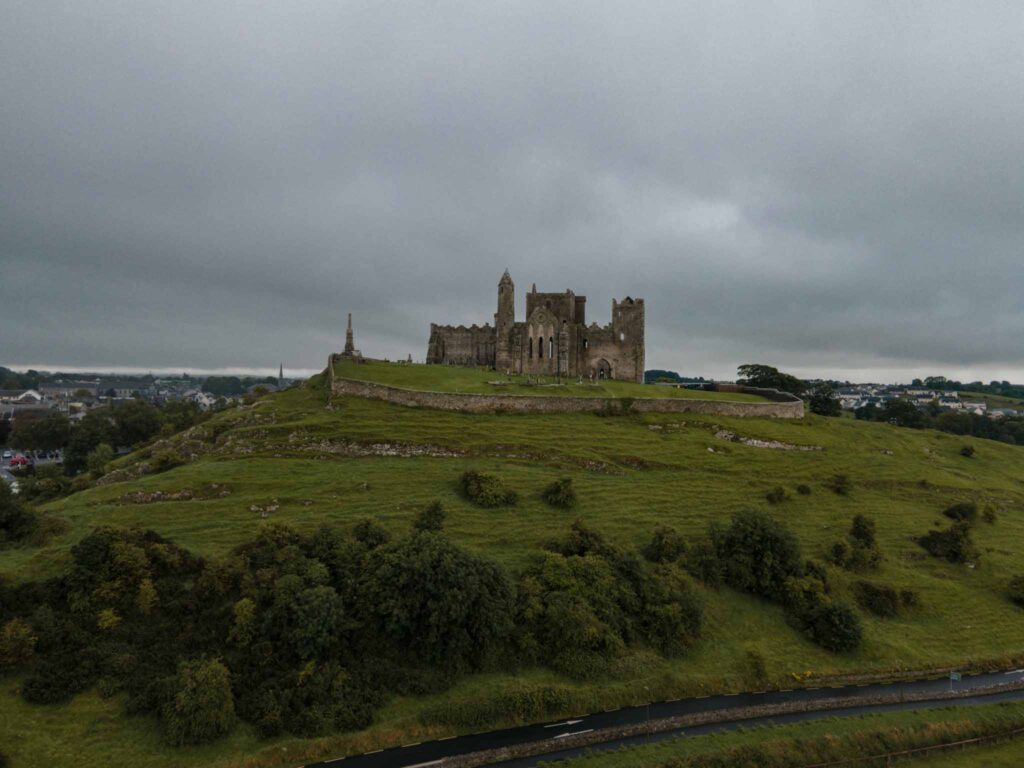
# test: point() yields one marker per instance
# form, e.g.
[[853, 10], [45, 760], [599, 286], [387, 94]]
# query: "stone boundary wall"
[[781, 405]]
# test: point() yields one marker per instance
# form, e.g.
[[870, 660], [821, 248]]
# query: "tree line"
[[309, 633]]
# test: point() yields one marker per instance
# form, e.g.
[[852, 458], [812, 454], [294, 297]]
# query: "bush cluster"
[[308, 633], [955, 544], [486, 490], [860, 551], [883, 600], [585, 601], [758, 554], [560, 493]]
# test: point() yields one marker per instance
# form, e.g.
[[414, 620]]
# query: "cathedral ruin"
[[553, 340]]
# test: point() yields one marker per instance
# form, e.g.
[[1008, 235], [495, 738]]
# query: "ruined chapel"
[[553, 340]]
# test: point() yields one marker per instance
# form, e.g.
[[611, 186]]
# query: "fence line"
[[905, 754]]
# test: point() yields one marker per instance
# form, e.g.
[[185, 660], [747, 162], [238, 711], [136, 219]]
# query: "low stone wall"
[[780, 405]]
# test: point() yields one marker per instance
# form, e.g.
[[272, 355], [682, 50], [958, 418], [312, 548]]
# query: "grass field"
[[999, 717], [437, 378], [363, 458]]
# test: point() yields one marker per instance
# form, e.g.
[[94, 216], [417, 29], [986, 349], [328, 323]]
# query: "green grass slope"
[[310, 462]]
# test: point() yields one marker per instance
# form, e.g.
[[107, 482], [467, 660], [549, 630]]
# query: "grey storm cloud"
[[828, 187]]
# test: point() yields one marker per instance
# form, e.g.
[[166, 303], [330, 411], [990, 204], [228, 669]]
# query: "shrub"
[[776, 495], [17, 644], [910, 598], [560, 493], [840, 484], [166, 460], [967, 451], [966, 511], [701, 561], [803, 490], [757, 554], [370, 534], [757, 668], [862, 530], [430, 518], [666, 546], [17, 521], [953, 544], [839, 554], [486, 490], [835, 627], [879, 599], [98, 458], [201, 706], [1016, 590]]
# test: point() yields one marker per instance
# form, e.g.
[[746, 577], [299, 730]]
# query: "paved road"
[[430, 752]]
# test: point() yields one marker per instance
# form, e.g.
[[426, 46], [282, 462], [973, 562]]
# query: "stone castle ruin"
[[553, 340]]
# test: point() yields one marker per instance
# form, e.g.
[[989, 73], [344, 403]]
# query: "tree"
[[17, 521], [98, 458], [147, 599], [824, 401], [758, 553], [902, 413], [430, 518], [758, 375], [666, 546], [201, 706], [47, 433], [137, 421], [437, 601], [223, 385], [17, 643], [94, 428]]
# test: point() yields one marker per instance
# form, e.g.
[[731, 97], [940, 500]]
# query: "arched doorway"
[[601, 369]]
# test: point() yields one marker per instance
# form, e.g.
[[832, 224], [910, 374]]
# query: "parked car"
[[8, 455], [20, 461]]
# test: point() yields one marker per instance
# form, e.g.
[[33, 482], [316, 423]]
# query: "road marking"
[[567, 722], [732, 694], [705, 696], [574, 733], [785, 690], [374, 751], [414, 744], [1014, 672], [335, 760], [423, 765], [613, 710], [448, 738], [672, 701]]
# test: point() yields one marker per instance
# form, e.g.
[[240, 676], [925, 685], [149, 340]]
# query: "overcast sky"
[[832, 188]]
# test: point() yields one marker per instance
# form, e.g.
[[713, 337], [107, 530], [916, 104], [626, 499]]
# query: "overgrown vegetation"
[[308, 634], [486, 490], [560, 493]]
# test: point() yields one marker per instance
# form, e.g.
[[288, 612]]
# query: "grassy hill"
[[294, 458], [435, 378]]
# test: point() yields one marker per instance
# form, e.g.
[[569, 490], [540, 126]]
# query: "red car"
[[19, 461]]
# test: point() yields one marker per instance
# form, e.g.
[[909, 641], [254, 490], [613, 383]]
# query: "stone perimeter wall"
[[782, 405]]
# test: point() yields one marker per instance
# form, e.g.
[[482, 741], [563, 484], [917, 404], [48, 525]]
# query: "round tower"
[[504, 319]]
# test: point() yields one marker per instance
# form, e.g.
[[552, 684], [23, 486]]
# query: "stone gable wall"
[[782, 405]]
